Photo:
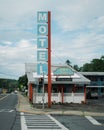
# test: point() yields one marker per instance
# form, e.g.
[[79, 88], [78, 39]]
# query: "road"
[[8, 113], [10, 119], [73, 122], [60, 122]]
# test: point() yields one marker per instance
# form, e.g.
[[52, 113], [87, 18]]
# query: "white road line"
[[92, 120], [37, 122], [1, 110], [23, 122], [3, 97], [11, 110], [6, 110], [58, 123]]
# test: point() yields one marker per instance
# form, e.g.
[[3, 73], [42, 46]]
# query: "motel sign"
[[44, 48], [42, 43]]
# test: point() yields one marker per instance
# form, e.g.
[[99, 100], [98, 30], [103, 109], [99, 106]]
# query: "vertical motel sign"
[[44, 48]]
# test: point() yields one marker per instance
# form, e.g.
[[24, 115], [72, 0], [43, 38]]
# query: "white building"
[[68, 85]]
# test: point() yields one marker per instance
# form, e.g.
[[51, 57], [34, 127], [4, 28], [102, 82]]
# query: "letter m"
[[42, 17]]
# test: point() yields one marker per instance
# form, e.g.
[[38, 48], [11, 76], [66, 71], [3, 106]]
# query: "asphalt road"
[[10, 119], [73, 122], [8, 113]]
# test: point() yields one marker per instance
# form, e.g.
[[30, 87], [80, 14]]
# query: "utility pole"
[[43, 91]]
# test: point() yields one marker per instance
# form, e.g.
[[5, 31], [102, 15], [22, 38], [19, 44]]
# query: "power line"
[[59, 58]]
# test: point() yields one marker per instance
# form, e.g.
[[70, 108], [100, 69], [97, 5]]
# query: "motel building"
[[96, 87], [68, 85]]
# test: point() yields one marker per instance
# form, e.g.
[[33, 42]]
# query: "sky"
[[77, 32]]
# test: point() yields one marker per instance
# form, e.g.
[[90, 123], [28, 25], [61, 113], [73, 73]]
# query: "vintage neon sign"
[[42, 43]]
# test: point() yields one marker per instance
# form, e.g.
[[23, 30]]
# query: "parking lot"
[[92, 105]]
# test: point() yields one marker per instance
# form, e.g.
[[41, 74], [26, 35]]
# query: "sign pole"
[[49, 59], [43, 91]]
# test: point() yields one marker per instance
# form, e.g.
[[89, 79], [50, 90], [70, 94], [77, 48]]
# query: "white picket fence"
[[57, 98]]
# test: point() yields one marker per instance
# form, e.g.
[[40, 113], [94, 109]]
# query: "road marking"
[[40, 122], [3, 97], [57, 122], [11, 110], [6, 110], [23, 122], [92, 120]]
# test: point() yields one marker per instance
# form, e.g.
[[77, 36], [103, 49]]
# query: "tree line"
[[11, 84], [8, 84], [95, 65]]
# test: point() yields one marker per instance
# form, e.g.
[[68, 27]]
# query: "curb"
[[31, 110], [80, 113]]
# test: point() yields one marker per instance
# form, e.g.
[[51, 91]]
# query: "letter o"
[[42, 29]]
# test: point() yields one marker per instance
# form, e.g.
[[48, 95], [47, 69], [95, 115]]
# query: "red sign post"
[[49, 59]]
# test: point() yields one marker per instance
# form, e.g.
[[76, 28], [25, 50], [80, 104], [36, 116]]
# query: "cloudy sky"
[[77, 32]]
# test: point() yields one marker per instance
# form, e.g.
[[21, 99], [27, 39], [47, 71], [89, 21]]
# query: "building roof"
[[95, 86], [30, 68], [63, 72], [93, 73]]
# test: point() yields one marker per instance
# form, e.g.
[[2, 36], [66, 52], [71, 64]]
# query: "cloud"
[[84, 46], [77, 31], [13, 58], [23, 43], [6, 43], [76, 14]]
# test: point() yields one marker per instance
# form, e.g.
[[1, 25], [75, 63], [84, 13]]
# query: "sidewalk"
[[25, 106]]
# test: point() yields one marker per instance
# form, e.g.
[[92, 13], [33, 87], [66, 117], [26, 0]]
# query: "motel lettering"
[[42, 43]]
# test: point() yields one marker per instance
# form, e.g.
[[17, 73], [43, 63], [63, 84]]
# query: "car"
[[94, 95], [15, 91]]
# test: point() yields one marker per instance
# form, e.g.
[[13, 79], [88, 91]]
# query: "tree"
[[96, 65], [87, 67], [68, 62], [9, 84], [102, 58], [76, 67], [22, 81]]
